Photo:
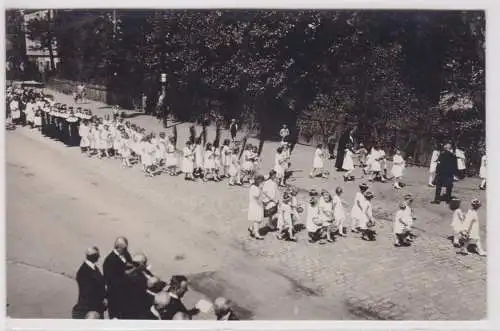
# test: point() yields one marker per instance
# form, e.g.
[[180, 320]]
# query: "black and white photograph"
[[246, 164]]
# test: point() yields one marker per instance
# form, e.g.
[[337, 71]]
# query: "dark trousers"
[[447, 196], [79, 313], [331, 149]]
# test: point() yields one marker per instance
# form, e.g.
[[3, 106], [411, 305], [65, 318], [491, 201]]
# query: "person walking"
[[233, 129], [446, 169], [91, 286], [346, 138]]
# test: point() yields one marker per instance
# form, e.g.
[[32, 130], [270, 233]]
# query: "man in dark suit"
[[115, 267], [445, 171], [178, 287], [137, 300], [91, 288]]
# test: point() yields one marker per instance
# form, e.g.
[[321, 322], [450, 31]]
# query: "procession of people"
[[127, 289]]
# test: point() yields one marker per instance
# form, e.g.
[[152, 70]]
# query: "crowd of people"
[[271, 199], [127, 289]]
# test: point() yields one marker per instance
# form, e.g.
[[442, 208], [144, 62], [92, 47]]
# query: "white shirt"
[[270, 190], [90, 264], [120, 256], [312, 218]]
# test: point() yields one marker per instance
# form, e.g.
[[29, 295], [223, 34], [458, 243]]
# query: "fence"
[[99, 93]]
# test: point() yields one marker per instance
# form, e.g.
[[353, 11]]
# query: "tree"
[[41, 29]]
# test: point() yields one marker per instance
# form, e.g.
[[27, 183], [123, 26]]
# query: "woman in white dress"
[[188, 161], [255, 207], [460, 154], [398, 165], [348, 164], [358, 207], [171, 161], [433, 166], [84, 132], [471, 225], [482, 173], [318, 163]]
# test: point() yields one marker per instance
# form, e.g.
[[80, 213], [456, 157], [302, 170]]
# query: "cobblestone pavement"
[[350, 279]]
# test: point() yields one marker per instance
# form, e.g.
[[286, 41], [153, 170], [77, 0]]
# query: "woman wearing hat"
[[471, 225]]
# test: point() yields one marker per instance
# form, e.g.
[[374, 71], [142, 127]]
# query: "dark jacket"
[[114, 276], [231, 317], [137, 301], [173, 307], [91, 290], [446, 168]]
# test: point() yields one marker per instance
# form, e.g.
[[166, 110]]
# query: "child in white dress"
[[188, 161], [401, 226], [279, 165], [358, 207], [339, 214], [285, 222], [84, 132], [367, 222], [433, 166], [198, 158], [247, 164], [313, 223], [457, 224], [209, 163], [171, 157], [460, 154], [124, 150], [471, 229], [234, 168], [348, 163], [398, 165], [378, 157], [326, 216], [362, 153], [318, 163], [482, 173], [217, 163], [255, 207], [226, 157]]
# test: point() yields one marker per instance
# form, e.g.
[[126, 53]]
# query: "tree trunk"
[[49, 46]]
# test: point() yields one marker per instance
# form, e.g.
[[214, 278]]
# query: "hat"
[[363, 186], [369, 194], [323, 191], [402, 205], [476, 203]]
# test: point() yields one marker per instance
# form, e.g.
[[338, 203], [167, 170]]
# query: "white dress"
[[325, 211], [247, 162], [357, 213], [84, 131], [279, 161], [124, 148], [318, 159], [209, 162], [233, 165], [270, 192], [482, 170], [398, 165], [472, 221], [255, 207], [14, 109], [457, 223], [376, 163], [187, 160], [434, 161], [338, 212], [460, 159], [147, 154], [226, 156], [312, 218], [285, 216], [171, 157], [399, 218], [348, 163], [367, 215]]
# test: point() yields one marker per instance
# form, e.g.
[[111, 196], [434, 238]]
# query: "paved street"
[[59, 203]]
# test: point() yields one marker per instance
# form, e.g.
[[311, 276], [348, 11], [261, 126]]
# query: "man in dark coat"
[[445, 171], [115, 268], [137, 300], [91, 288], [178, 286], [346, 138]]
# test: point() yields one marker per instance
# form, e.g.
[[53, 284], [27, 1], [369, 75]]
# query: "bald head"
[[92, 254], [121, 245], [140, 259], [221, 306], [161, 300]]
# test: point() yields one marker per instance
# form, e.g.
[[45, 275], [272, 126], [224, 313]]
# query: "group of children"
[[374, 164]]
